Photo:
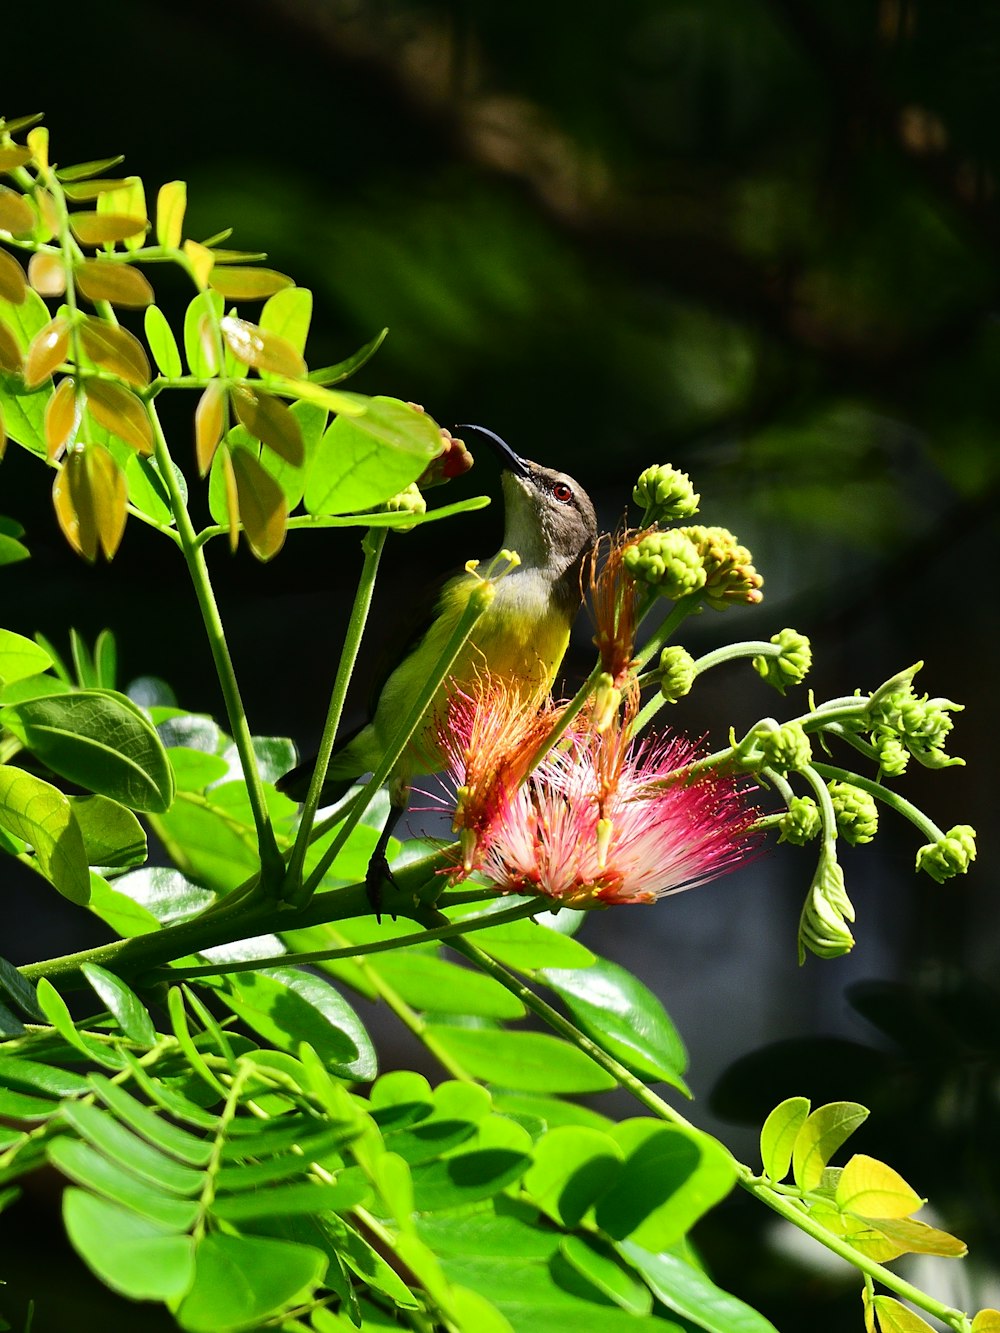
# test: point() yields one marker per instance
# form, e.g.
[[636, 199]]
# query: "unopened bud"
[[668, 561], [606, 702], [408, 501], [730, 577], [801, 822], [677, 673], [949, 856], [452, 461], [893, 756], [790, 665], [666, 494], [823, 928], [856, 812], [784, 748]]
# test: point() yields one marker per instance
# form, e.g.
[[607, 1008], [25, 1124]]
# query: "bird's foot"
[[377, 872]]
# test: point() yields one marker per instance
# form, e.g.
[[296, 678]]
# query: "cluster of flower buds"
[[903, 723], [667, 561], [950, 855], [677, 673], [783, 747], [408, 501], [665, 494], [790, 665], [856, 812], [730, 578], [801, 822]]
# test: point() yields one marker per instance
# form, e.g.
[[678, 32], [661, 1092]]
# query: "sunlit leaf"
[[986, 1321], [5, 550], [247, 284], [51, 218], [344, 369], [268, 419], [231, 496], [573, 1166], [122, 413], [894, 1317], [13, 155], [41, 816], [62, 417], [171, 202], [13, 285], [99, 740], [690, 1292], [105, 228], [38, 142], [209, 423], [112, 836], [200, 338], [288, 313], [133, 1255], [47, 351], [202, 261], [260, 349], [263, 511], [85, 191], [20, 657], [241, 1280], [526, 1061], [778, 1135], [82, 170], [364, 460], [869, 1187], [115, 349], [120, 284], [47, 274], [91, 498], [128, 200], [819, 1138], [16, 215], [162, 343], [910, 1236], [122, 1003], [11, 362]]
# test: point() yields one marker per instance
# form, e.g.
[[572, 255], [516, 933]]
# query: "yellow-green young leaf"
[[778, 1135], [986, 1321], [820, 1137], [41, 816], [115, 349], [344, 403], [104, 280], [16, 214], [20, 657], [49, 214], [869, 1187], [13, 155], [893, 1317], [80, 171], [262, 350], [90, 498], [62, 418], [38, 142], [913, 1237], [10, 353], [46, 274], [118, 410], [201, 341], [288, 313], [3, 448], [202, 262], [268, 419], [129, 200], [13, 286], [162, 343], [171, 202], [47, 351], [262, 506], [247, 284], [85, 191], [232, 498], [209, 423], [105, 228]]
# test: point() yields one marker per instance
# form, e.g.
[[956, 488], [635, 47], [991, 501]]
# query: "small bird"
[[521, 637]]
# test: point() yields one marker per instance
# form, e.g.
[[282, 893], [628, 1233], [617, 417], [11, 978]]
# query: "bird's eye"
[[562, 492]]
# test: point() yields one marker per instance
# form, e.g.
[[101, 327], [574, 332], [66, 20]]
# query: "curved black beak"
[[508, 459]]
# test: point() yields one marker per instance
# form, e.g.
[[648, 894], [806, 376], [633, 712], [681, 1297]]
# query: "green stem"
[[372, 546], [272, 864], [682, 608], [565, 718], [773, 1199], [474, 608], [886, 795]]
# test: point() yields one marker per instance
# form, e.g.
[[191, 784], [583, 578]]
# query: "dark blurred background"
[[759, 239]]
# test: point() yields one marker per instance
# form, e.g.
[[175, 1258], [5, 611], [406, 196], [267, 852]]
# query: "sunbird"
[[549, 522]]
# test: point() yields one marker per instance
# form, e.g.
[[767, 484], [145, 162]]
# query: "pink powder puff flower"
[[600, 820]]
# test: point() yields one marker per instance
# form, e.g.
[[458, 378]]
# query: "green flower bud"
[[790, 665], [408, 501], [893, 756], [668, 561], [920, 724], [730, 577], [856, 811], [823, 928], [785, 747], [677, 673], [801, 822], [666, 494], [950, 855]]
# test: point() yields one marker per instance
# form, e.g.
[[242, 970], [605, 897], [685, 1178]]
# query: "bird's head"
[[550, 520]]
